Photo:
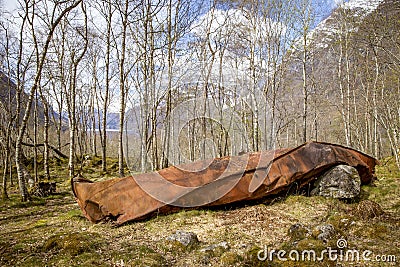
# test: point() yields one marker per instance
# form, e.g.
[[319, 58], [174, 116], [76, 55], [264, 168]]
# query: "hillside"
[[350, 59], [8, 90]]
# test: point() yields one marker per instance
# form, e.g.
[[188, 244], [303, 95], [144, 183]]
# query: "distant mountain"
[[8, 90], [351, 13], [323, 42], [349, 37]]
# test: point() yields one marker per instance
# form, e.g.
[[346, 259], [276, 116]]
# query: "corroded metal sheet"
[[214, 182]]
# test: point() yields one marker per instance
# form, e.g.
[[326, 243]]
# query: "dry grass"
[[51, 231]]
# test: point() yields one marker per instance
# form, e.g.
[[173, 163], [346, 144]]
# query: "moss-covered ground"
[[52, 231]]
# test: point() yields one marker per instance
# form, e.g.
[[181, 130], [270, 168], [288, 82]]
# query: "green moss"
[[367, 209], [230, 258], [372, 231], [40, 223], [387, 186], [88, 259], [138, 255], [298, 232], [33, 260], [17, 204], [75, 214], [178, 246], [189, 214], [168, 248], [72, 243], [343, 223], [59, 195], [251, 257], [19, 247], [216, 252], [314, 244], [150, 260]]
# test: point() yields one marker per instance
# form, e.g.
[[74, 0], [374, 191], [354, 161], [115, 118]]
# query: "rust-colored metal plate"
[[214, 182]]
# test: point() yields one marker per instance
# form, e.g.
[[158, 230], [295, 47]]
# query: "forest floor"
[[52, 231]]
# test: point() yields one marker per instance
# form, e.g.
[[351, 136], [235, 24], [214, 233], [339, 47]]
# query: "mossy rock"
[[179, 247], [183, 241], [367, 209], [73, 243], [299, 231], [341, 221]]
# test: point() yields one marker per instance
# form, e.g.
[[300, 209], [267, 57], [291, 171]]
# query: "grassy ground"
[[52, 231]]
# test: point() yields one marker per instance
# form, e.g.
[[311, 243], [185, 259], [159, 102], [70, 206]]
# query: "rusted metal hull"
[[214, 182]]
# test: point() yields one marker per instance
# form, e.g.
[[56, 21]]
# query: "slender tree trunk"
[[46, 142], [72, 125], [45, 134], [93, 96], [35, 135], [167, 135], [348, 91], [72, 98], [106, 94], [342, 96], [4, 189], [122, 91], [305, 89], [60, 121], [21, 131], [10, 170], [375, 107]]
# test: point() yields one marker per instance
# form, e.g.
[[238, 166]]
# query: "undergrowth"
[[52, 231]]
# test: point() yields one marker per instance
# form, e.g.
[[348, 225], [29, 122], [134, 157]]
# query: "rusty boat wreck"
[[216, 182]]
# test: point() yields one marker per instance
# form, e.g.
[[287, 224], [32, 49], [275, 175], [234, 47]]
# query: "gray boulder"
[[186, 239], [341, 181], [324, 232]]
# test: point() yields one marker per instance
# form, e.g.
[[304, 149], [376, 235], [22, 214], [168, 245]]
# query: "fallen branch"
[[55, 150]]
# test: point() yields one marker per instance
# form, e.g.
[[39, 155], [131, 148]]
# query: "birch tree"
[[123, 10], [7, 117], [106, 9], [77, 50], [306, 17], [57, 14]]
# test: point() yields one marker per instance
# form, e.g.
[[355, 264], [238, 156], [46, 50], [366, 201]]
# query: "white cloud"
[[9, 5], [338, 2]]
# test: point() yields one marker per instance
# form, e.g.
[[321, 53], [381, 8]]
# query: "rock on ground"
[[324, 232], [187, 239], [341, 181]]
